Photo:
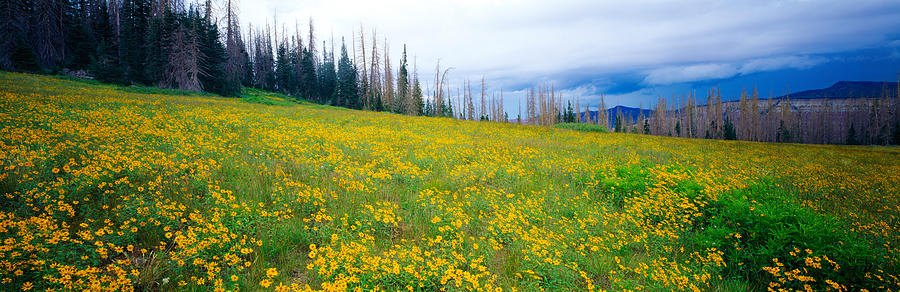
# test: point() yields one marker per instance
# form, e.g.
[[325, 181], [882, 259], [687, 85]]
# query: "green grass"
[[253, 95], [582, 127]]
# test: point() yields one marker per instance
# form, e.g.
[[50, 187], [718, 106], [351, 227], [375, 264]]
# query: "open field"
[[106, 188]]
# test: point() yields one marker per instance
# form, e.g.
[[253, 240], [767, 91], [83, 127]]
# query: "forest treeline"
[[201, 47], [844, 120]]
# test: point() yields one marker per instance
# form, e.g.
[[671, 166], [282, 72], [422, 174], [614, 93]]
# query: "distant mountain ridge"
[[848, 89]]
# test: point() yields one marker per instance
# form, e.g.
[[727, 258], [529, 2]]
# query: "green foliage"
[[678, 128], [729, 133], [23, 57], [285, 76], [618, 124], [582, 127], [346, 94], [157, 45], [213, 59], [135, 20], [327, 79], [417, 97], [569, 115], [252, 95], [760, 225], [647, 127], [851, 136], [402, 85], [308, 87], [784, 135], [105, 62]]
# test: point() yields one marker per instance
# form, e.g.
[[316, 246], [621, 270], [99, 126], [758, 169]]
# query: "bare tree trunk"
[[388, 94], [49, 32], [482, 113], [182, 70]]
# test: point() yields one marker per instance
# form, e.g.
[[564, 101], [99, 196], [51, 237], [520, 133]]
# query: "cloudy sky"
[[631, 51]]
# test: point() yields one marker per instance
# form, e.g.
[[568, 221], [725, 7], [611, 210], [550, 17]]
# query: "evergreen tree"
[[134, 26], [403, 96], [284, 70], [105, 62], [618, 124], [729, 132], [14, 26], [448, 109], [647, 128], [783, 134], [327, 78], [23, 57], [158, 45], [308, 87], [346, 93], [678, 128], [80, 40], [212, 60], [851, 136], [896, 135], [417, 97]]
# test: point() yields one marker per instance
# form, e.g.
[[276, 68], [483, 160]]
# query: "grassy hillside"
[[106, 188]]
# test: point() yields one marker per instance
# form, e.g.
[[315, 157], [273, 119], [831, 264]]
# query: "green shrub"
[[582, 127], [766, 237]]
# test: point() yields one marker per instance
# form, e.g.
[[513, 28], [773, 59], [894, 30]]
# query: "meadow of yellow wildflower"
[[111, 188]]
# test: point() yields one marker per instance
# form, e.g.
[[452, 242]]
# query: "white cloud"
[[783, 62], [670, 75], [712, 71]]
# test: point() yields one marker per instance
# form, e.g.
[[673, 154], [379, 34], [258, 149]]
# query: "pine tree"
[[403, 103], [14, 16], [618, 124], [852, 136], [678, 128], [80, 38], [308, 87], [105, 62], [346, 93], [327, 78], [896, 135], [23, 57], [646, 127], [729, 132], [134, 28], [212, 60], [417, 96], [158, 45], [284, 70]]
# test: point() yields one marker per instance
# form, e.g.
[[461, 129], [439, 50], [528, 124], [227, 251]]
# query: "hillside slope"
[[106, 189]]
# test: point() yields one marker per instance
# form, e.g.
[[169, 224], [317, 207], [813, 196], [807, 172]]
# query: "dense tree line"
[[150, 42], [164, 43], [171, 44], [853, 121]]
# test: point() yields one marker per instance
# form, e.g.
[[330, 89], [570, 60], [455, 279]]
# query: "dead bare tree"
[[48, 31], [375, 72], [388, 85], [482, 113], [364, 79], [182, 69]]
